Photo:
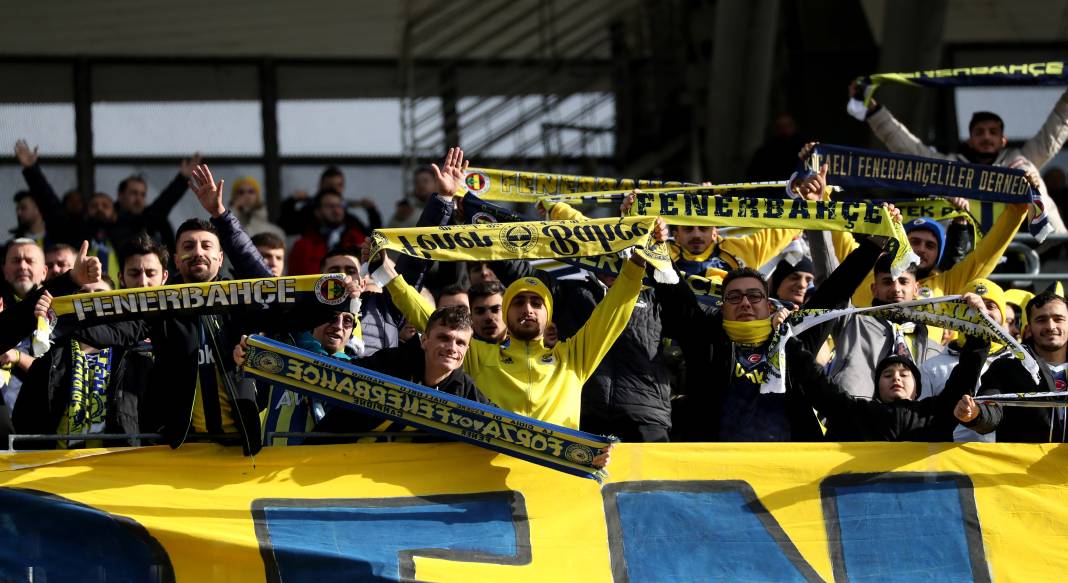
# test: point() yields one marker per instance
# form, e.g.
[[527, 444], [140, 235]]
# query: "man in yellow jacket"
[[521, 374]]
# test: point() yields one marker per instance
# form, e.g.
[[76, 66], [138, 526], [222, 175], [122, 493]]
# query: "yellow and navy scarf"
[[87, 410]]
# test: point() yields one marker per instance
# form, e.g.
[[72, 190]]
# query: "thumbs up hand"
[[86, 269]]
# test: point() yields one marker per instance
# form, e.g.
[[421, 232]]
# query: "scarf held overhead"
[[515, 186], [525, 240], [481, 212], [947, 312], [859, 168], [1047, 73], [366, 391], [682, 208]]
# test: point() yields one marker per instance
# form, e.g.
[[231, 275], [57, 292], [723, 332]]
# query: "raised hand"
[[450, 177], [660, 230], [24, 154], [241, 350], [86, 270], [812, 188], [187, 165], [202, 183], [966, 409], [40, 309], [603, 457], [628, 202]]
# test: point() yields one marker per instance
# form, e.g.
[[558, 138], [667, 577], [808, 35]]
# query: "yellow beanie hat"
[[989, 290], [532, 285]]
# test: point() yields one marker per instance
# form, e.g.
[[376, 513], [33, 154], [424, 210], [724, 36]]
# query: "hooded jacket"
[[861, 341], [853, 419], [631, 387], [525, 376]]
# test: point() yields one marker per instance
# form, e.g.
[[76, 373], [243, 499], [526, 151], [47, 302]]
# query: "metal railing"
[[388, 436]]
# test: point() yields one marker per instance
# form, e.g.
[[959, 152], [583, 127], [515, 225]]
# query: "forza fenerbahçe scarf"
[[347, 385], [526, 240]]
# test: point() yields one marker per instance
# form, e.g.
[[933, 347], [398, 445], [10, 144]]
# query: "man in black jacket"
[[189, 390], [77, 389], [1046, 337]]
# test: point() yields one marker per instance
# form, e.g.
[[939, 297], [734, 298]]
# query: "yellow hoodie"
[[527, 378]]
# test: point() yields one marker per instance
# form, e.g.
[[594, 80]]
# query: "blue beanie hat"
[[933, 226]]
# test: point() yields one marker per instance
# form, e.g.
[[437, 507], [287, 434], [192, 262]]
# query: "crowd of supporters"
[[621, 355]]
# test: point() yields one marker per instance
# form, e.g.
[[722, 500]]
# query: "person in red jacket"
[[334, 228]]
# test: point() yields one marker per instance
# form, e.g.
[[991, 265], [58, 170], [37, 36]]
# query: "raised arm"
[[50, 205], [821, 393], [1050, 137], [893, 133], [235, 242], [961, 382]]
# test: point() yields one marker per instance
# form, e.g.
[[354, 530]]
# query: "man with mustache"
[[1046, 338], [189, 391], [521, 374]]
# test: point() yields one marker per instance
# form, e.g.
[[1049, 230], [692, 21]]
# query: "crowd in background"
[[617, 354]]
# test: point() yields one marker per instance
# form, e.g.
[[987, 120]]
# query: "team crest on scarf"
[[330, 289], [477, 182]]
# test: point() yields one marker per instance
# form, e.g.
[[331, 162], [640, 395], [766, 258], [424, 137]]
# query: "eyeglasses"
[[754, 296], [347, 320]]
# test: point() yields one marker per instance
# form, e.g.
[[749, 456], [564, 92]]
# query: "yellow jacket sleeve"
[[562, 211], [589, 345], [844, 244], [757, 249], [410, 302], [984, 258]]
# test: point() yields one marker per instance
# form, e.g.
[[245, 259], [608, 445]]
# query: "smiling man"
[[1046, 337]]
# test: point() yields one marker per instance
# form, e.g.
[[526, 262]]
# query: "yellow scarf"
[[752, 332]]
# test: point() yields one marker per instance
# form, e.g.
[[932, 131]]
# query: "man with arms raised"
[[521, 374]]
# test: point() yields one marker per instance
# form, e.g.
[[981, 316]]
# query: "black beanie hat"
[[896, 359], [784, 268]]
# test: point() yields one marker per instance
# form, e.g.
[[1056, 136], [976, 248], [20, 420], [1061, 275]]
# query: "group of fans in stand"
[[627, 355]]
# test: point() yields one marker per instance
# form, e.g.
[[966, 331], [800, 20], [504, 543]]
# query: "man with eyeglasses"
[[727, 359]]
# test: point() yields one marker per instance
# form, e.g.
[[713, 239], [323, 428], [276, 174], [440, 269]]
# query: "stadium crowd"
[[617, 355]]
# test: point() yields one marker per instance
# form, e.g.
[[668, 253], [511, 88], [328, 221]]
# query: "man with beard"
[[334, 228], [521, 374], [927, 238], [189, 391], [1046, 338], [986, 144]]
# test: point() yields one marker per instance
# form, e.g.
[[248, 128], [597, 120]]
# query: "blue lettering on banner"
[[697, 531], [319, 541], [50, 538], [903, 526]]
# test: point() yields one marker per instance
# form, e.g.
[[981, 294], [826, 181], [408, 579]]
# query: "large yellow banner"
[[452, 512]]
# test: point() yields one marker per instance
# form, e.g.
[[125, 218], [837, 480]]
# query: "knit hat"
[[784, 269], [532, 285], [1019, 297], [988, 290], [897, 359], [932, 226], [246, 181]]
